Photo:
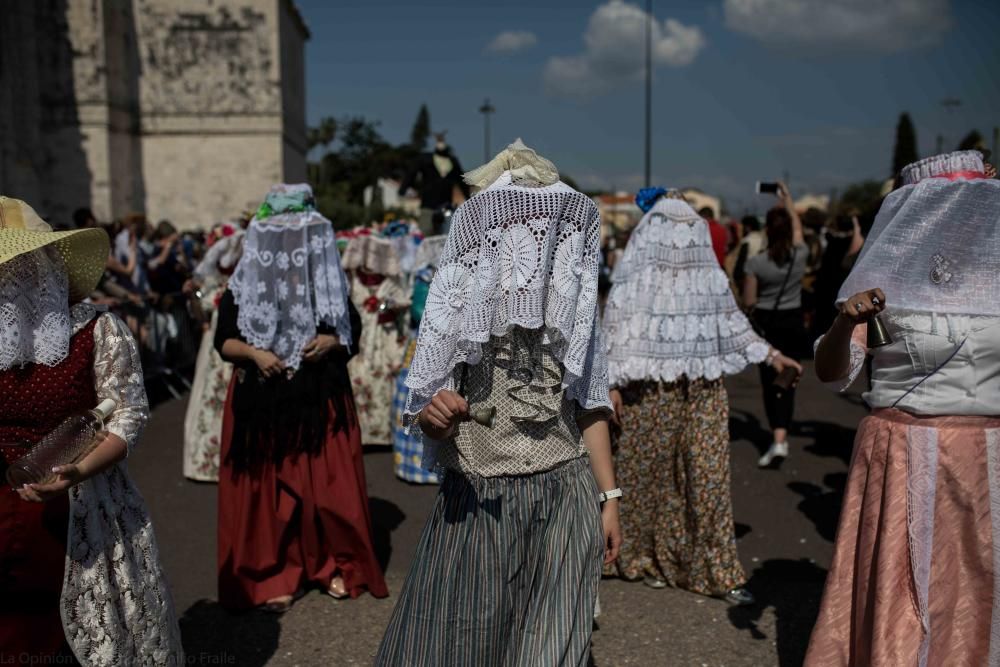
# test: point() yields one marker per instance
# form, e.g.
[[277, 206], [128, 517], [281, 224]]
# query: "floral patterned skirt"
[[672, 460]]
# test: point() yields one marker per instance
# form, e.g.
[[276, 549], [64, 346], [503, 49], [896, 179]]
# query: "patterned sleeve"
[[118, 376], [858, 350]]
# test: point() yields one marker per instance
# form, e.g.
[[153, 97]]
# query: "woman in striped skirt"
[[509, 386]]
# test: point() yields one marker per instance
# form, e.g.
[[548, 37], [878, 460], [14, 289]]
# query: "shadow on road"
[[386, 517], [746, 426], [793, 588], [822, 506], [214, 636], [829, 439]]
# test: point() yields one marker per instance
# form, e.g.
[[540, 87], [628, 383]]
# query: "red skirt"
[[32, 562], [282, 528]]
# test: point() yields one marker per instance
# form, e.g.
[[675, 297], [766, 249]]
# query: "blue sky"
[[743, 89]]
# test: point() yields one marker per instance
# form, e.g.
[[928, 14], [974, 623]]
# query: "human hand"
[[445, 411], [612, 530], [268, 363], [785, 195], [319, 347], [66, 477], [863, 306], [780, 362]]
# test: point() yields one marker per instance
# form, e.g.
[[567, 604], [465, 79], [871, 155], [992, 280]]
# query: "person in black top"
[[293, 505], [436, 176]]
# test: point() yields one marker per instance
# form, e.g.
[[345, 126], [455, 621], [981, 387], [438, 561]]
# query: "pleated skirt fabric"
[[912, 580], [506, 574]]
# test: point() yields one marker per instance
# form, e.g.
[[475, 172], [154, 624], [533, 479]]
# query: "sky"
[[743, 90]]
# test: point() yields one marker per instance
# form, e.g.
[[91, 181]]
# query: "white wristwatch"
[[608, 495]]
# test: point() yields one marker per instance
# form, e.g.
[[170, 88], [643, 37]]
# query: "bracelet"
[[771, 356], [604, 496]]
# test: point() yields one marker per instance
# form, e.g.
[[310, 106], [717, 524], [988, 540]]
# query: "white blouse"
[[937, 364], [116, 606]]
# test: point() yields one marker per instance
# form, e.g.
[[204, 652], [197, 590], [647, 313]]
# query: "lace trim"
[[522, 163], [289, 281], [921, 485], [941, 164], [858, 354], [993, 463], [35, 325]]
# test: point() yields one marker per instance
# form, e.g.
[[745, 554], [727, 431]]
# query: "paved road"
[[785, 521]]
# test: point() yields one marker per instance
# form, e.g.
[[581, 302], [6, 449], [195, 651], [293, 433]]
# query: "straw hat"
[[84, 251]]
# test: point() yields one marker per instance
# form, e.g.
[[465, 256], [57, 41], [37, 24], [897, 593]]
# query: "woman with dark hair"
[[773, 291]]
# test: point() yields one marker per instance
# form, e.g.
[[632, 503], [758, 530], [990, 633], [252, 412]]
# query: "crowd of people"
[[569, 400]]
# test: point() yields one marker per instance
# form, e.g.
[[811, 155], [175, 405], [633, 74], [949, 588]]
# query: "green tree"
[[323, 134], [421, 129], [973, 141], [906, 144]]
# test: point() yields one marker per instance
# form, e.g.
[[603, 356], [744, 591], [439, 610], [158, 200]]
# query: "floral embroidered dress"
[[379, 293], [114, 602], [203, 420]]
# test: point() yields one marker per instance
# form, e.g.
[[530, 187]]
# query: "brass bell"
[[484, 416], [878, 335]]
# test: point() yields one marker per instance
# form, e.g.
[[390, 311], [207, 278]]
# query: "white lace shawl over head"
[[671, 312], [289, 279], [35, 326], [935, 244], [515, 256]]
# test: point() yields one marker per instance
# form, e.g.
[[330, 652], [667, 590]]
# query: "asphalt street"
[[785, 524]]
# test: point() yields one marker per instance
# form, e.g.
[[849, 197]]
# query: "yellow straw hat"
[[84, 251]]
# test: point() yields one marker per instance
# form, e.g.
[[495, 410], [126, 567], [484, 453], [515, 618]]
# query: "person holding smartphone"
[[772, 294]]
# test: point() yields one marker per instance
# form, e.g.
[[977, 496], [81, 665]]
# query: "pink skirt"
[[912, 577]]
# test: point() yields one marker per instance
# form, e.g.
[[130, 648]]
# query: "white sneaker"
[[776, 453]]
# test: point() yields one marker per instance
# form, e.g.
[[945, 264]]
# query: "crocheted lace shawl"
[[515, 256], [289, 279], [671, 312]]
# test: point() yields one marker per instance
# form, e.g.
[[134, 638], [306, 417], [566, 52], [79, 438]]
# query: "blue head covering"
[[648, 196]]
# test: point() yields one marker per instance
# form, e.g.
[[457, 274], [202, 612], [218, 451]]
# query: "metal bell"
[[878, 335], [484, 416]]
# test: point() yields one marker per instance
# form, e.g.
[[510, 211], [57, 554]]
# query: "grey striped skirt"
[[505, 574]]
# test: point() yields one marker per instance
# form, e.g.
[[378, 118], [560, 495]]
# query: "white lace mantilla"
[[116, 606], [671, 312], [288, 281], [34, 310], [524, 256]]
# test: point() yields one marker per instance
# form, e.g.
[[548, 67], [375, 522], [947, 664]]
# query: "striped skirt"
[[505, 574]]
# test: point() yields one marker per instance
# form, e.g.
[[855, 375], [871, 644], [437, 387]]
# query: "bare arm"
[[750, 290], [833, 354], [597, 439], [798, 237]]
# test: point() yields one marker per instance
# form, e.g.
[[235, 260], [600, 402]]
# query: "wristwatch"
[[608, 495]]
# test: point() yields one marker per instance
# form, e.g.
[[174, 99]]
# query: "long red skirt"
[[32, 561], [301, 524]]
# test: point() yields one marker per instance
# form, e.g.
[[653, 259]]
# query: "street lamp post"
[[649, 89], [486, 110]]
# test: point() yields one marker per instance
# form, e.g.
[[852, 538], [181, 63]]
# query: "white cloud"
[[512, 41], [615, 51], [883, 25]]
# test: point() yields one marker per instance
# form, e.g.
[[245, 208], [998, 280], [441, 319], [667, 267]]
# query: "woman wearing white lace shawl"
[[203, 419], [673, 330], [80, 573], [915, 577], [293, 503], [508, 566]]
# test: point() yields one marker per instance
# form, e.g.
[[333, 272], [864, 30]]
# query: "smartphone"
[[764, 188]]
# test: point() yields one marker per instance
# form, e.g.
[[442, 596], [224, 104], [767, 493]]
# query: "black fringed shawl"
[[279, 416]]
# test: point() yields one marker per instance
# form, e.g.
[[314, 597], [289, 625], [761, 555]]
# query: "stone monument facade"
[[186, 110]]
